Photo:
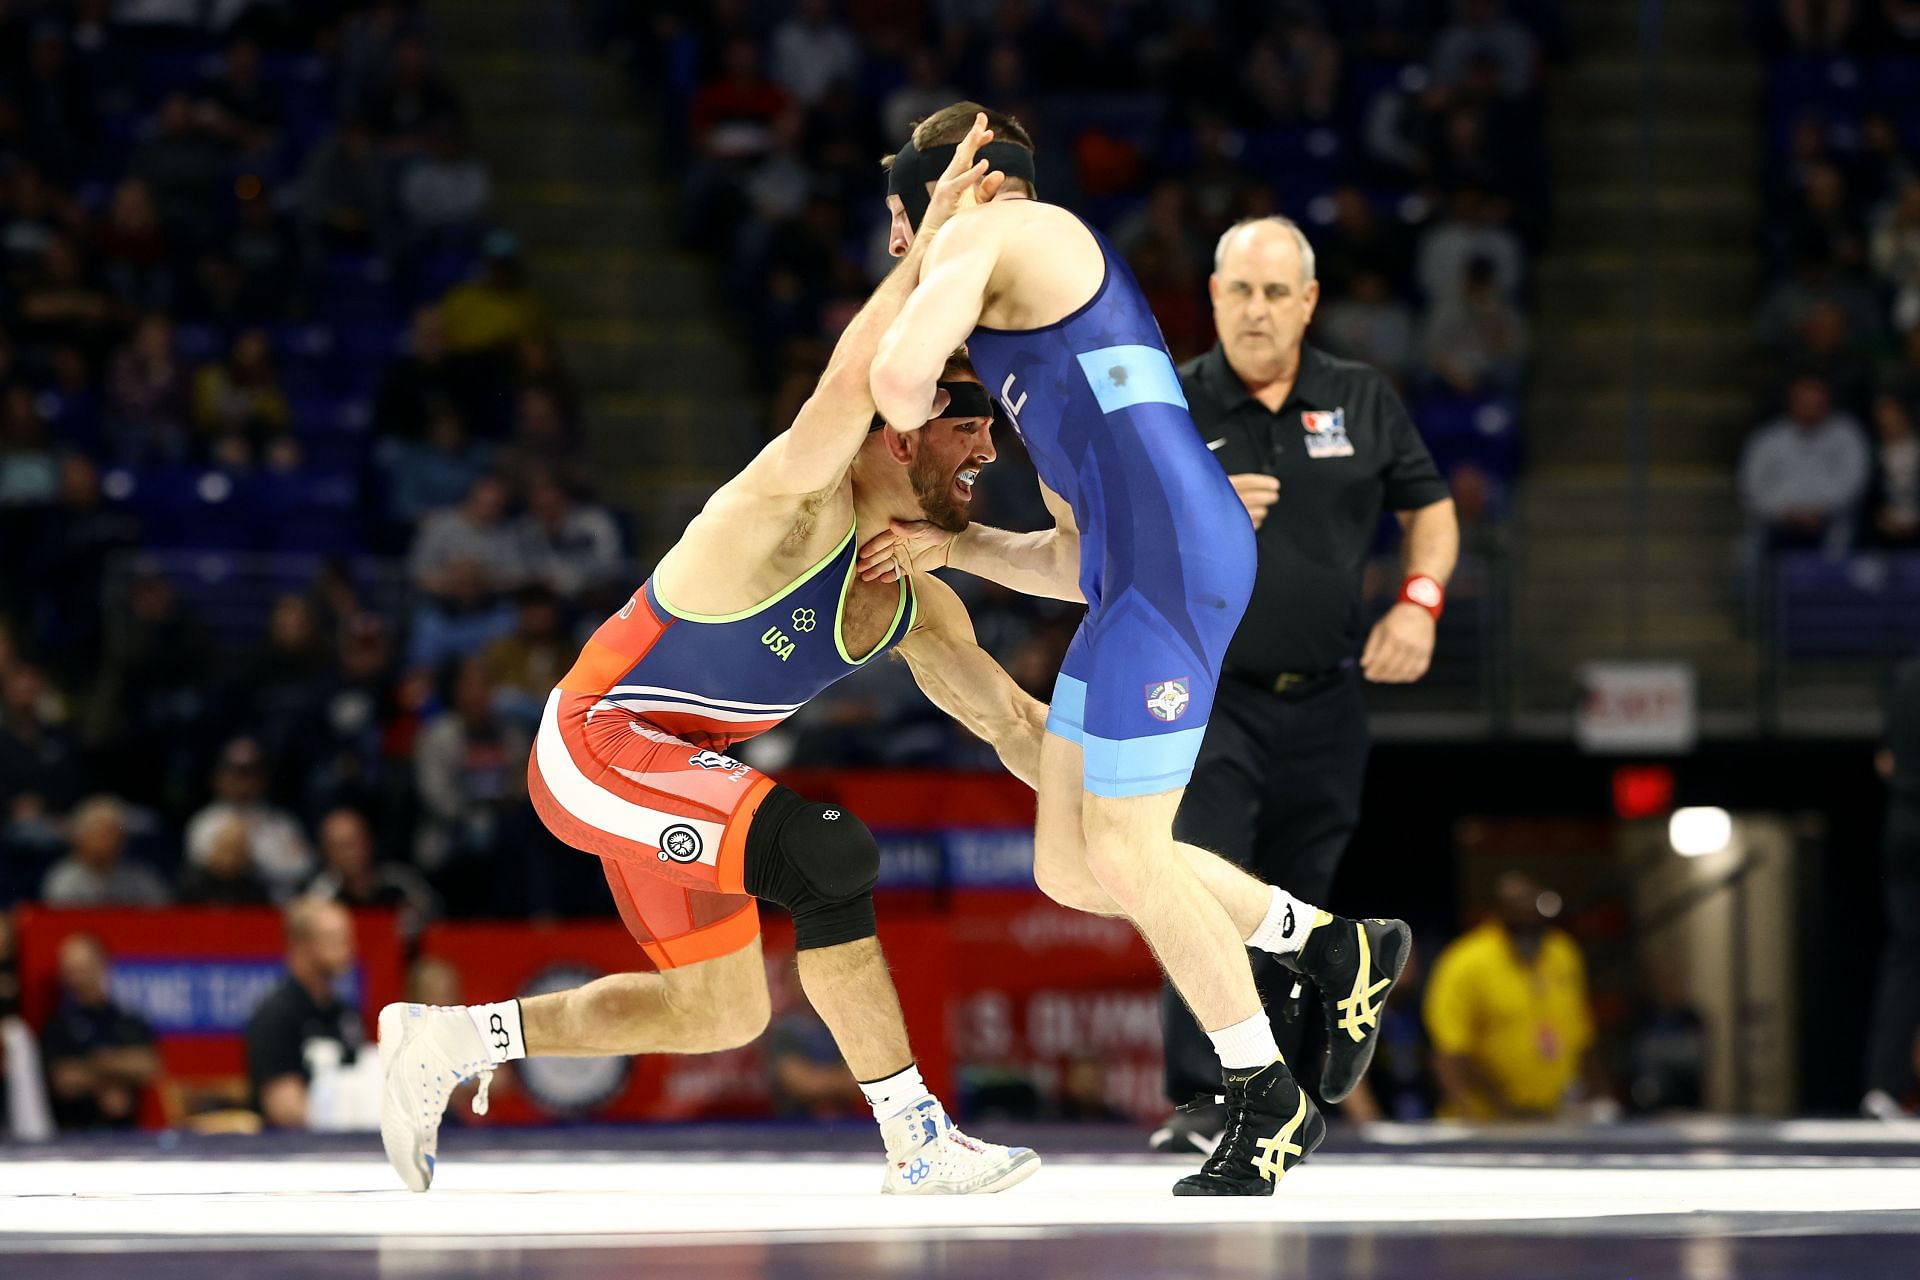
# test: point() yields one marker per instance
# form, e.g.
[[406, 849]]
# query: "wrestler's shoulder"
[[1014, 213]]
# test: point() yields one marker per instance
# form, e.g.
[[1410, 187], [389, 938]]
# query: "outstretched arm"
[[935, 320], [964, 681], [819, 447], [1045, 563]]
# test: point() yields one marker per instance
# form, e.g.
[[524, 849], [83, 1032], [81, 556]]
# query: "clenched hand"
[[1400, 647], [1258, 491]]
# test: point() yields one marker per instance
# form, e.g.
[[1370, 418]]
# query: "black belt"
[[1292, 684]]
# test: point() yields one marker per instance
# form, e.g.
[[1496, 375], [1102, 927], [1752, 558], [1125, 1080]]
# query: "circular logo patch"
[[680, 843]]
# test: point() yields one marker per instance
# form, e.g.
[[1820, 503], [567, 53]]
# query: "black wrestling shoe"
[[1272, 1125], [1355, 964], [1193, 1129]]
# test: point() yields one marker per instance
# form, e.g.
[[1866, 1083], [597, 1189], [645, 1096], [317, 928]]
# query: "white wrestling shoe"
[[425, 1052], [927, 1156]]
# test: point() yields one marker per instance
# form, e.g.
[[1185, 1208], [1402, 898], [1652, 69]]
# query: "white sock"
[[499, 1028], [1287, 924], [891, 1096], [1247, 1045]]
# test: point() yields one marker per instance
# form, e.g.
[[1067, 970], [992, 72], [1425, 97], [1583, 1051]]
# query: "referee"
[[1315, 448], [1893, 1041]]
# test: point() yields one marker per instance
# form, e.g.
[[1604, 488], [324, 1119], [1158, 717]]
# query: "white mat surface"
[[554, 1195]]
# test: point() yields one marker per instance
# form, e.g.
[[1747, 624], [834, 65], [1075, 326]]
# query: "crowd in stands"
[[1405, 137], [1835, 463], [294, 544]]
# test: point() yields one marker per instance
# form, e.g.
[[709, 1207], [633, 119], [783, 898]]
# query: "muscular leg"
[[1220, 812], [1060, 867], [722, 1004], [702, 1008], [1129, 852], [851, 990]]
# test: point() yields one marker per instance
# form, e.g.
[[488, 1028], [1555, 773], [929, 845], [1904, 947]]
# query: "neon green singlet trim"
[[771, 600], [840, 613]]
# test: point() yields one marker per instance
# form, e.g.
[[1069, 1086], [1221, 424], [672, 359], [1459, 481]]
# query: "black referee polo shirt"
[[1342, 447], [1903, 733]]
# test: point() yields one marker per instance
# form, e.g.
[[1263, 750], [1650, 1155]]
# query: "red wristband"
[[1426, 592]]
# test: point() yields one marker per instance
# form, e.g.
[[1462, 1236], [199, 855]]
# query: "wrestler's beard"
[[934, 489]]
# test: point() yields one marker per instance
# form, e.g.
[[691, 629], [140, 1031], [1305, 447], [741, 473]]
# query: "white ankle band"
[[1286, 926], [499, 1028], [891, 1096], [1246, 1045]]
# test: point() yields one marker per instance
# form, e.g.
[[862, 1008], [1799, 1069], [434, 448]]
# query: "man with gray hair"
[[95, 872], [1315, 447]]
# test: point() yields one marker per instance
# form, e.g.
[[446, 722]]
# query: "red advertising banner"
[[912, 798], [1017, 1007], [194, 974], [1052, 1010]]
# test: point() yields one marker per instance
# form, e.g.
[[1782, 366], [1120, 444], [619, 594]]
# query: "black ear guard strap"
[[964, 400], [913, 169]]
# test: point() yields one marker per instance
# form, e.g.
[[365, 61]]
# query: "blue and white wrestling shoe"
[[426, 1051], [927, 1156]]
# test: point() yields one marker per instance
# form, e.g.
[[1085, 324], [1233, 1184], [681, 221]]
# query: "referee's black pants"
[[1277, 790], [1896, 1004]]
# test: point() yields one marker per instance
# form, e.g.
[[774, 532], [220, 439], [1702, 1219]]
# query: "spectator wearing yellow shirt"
[[1506, 1010], [497, 308], [238, 405]]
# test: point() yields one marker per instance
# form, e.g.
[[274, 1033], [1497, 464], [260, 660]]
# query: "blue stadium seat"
[[1895, 80], [371, 340], [314, 512], [199, 343], [170, 70], [1483, 431], [328, 410], [309, 99], [306, 357], [189, 507], [440, 270], [344, 308], [302, 341], [1365, 80], [340, 451], [1834, 88], [1863, 605]]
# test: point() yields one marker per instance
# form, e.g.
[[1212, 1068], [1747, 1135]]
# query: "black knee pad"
[[819, 862]]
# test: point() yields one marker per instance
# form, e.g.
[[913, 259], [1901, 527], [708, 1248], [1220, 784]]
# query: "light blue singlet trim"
[[1125, 766], [1122, 377]]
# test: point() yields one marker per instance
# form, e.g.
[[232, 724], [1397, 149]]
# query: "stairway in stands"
[[667, 419], [1586, 587]]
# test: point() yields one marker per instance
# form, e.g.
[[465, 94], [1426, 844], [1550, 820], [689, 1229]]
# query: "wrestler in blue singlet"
[[1166, 548]]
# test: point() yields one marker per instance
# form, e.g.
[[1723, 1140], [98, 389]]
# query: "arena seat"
[[1861, 605]]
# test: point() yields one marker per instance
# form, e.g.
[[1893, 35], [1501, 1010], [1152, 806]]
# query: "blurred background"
[[359, 358]]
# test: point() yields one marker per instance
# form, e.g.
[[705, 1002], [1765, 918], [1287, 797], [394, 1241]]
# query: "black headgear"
[[964, 400], [913, 169]]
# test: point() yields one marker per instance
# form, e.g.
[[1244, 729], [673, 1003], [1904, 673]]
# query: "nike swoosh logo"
[[1215, 444]]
